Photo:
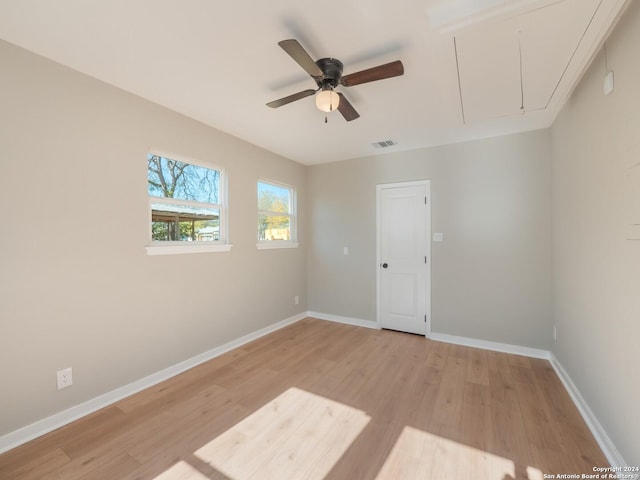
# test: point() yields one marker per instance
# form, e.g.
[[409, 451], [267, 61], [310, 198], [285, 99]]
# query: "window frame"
[[173, 247], [293, 217]]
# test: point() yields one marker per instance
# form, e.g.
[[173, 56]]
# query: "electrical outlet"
[[65, 378], [296, 300]]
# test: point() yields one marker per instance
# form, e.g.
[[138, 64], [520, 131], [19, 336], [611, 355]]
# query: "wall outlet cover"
[[65, 378]]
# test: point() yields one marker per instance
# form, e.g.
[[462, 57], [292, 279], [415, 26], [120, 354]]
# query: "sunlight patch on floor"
[[419, 455], [181, 471], [298, 435]]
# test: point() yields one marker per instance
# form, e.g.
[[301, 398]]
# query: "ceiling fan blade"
[[300, 55], [346, 109], [291, 98], [388, 70]]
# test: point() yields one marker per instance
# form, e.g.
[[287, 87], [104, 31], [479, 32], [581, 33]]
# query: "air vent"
[[384, 144]]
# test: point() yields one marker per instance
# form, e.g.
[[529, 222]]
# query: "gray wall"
[[491, 277], [596, 269], [76, 286]]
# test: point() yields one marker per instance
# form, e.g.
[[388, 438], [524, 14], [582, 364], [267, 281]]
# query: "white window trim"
[[192, 247], [293, 218], [180, 248], [275, 244]]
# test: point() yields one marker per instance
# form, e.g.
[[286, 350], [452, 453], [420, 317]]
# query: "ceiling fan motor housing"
[[332, 72]]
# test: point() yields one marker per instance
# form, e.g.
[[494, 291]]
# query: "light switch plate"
[[608, 83]]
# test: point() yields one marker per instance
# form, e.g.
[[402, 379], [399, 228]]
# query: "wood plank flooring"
[[324, 400]]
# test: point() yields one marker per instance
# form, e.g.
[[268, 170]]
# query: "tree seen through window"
[[193, 213], [274, 212]]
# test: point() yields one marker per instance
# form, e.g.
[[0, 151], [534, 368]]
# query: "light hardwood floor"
[[323, 400]]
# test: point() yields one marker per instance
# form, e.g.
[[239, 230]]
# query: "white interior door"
[[403, 251]]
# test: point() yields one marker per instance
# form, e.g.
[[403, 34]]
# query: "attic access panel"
[[489, 58]]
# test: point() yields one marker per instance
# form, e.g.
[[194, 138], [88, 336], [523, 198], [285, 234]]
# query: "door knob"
[[385, 265]]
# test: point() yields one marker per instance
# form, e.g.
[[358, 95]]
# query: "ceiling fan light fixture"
[[327, 100], [327, 75]]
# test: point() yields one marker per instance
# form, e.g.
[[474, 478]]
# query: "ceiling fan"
[[327, 73]]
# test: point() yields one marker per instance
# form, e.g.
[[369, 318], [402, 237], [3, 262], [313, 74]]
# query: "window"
[[186, 206], [276, 215]]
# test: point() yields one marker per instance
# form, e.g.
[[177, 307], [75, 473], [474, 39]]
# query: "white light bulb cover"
[[327, 100]]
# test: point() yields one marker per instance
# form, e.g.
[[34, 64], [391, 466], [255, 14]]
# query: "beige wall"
[[596, 269], [77, 289], [76, 286], [491, 277]]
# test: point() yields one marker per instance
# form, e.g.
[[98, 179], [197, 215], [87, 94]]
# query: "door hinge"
[[425, 200], [425, 319], [425, 259]]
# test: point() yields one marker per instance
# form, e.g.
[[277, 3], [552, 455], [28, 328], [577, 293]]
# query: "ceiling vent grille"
[[384, 144]]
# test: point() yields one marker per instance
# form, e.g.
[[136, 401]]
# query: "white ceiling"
[[219, 62]]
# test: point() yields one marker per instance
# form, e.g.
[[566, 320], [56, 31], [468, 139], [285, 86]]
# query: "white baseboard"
[[46, 425], [606, 445], [494, 346], [346, 320]]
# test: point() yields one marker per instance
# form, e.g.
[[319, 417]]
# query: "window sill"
[[275, 245], [182, 249]]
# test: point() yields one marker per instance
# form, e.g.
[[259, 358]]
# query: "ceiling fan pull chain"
[[325, 118]]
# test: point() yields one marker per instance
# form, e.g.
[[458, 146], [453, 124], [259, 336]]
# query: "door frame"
[[379, 188]]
